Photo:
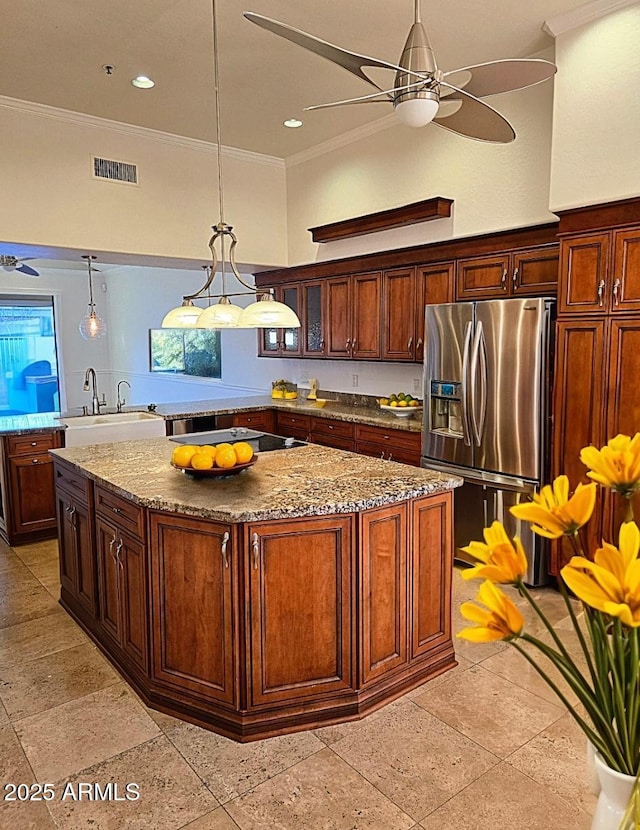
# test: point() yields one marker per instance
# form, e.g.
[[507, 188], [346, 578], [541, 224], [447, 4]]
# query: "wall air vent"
[[114, 171]]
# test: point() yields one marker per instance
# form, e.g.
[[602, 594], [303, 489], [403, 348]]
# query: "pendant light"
[[91, 327], [224, 314]]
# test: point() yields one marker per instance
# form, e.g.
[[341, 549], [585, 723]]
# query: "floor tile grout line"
[[70, 700]]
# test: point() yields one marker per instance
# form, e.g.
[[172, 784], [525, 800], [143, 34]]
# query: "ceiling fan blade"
[[385, 96], [9, 268], [351, 61], [501, 76], [476, 119], [27, 269]]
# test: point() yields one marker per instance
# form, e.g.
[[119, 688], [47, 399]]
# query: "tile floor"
[[484, 746]]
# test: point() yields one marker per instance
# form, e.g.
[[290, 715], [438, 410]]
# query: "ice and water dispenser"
[[446, 408]]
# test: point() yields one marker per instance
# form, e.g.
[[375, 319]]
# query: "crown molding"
[[342, 140], [84, 120], [587, 13]]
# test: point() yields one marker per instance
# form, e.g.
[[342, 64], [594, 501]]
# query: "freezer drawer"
[[476, 506]]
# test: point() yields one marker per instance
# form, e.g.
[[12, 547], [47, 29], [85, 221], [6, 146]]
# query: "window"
[[186, 352], [28, 358]]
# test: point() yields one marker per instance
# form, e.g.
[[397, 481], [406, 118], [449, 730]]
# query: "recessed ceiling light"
[[142, 82], [293, 122]]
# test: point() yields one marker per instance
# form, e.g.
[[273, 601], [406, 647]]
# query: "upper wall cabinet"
[[600, 272], [532, 272], [278, 342], [352, 327]]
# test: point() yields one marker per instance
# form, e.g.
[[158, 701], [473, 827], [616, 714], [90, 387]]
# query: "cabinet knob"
[[34, 443], [223, 548], [600, 292], [34, 460]]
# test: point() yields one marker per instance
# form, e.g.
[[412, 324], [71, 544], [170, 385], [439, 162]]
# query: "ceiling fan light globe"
[[416, 112], [181, 317]]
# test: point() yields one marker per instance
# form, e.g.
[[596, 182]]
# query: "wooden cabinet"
[[194, 571], [27, 484], [399, 314], [292, 425], [333, 433], [353, 311], [279, 342], [389, 444], [262, 420], [527, 272], [74, 509], [434, 284], [313, 319], [600, 272], [299, 589], [121, 558]]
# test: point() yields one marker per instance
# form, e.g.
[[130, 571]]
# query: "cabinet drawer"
[[389, 438], [32, 444], [298, 426], [331, 427], [334, 441], [126, 514], [73, 482], [256, 420], [389, 453]]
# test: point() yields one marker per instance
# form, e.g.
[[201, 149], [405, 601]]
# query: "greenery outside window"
[[186, 352]]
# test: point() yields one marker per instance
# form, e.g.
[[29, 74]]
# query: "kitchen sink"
[[117, 426]]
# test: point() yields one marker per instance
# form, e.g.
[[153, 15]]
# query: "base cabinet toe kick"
[[260, 628]]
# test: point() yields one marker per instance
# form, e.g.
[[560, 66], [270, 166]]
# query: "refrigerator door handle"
[[478, 383], [466, 403]]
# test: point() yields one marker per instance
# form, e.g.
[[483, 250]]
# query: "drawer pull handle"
[[34, 443], [118, 549], [34, 460], [515, 276], [600, 292], [256, 551], [346, 345], [116, 510], [225, 541], [330, 426], [616, 288], [409, 344], [503, 281], [111, 544], [387, 437]]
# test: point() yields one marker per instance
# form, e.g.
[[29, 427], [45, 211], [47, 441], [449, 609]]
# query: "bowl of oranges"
[[402, 405], [206, 460]]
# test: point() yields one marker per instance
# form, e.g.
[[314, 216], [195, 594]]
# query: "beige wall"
[[494, 187], [50, 198], [597, 112]]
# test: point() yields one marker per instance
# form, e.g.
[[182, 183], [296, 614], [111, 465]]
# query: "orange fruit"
[[225, 456], [244, 452], [182, 455], [209, 449], [202, 461]]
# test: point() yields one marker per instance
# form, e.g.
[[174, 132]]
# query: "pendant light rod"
[[216, 89], [89, 259], [416, 12]]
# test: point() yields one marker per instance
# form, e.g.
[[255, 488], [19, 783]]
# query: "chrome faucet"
[[121, 401], [96, 403]]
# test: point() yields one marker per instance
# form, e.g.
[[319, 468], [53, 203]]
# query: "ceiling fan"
[[12, 263], [421, 92]]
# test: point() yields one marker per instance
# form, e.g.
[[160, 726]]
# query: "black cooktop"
[[260, 441]]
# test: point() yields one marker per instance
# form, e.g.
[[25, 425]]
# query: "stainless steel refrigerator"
[[487, 385]]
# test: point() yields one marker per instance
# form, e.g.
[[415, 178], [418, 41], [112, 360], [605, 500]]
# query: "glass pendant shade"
[[222, 315], [267, 313], [183, 317], [417, 112], [92, 327]]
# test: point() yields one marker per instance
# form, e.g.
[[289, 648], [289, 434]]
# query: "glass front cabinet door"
[[313, 319], [277, 342]]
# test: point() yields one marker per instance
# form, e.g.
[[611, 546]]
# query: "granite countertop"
[[19, 424], [338, 410], [305, 481]]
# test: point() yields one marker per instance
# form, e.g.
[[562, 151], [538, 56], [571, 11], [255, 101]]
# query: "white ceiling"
[[52, 52]]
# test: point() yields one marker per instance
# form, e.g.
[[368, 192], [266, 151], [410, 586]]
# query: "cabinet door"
[[109, 579], [383, 591], [299, 583], [579, 401], [483, 278], [366, 316], [133, 594], [399, 302], [583, 275], [535, 272], [66, 541], [33, 504], [430, 569], [193, 569], [338, 316], [291, 344], [434, 284], [313, 323], [625, 276], [623, 415], [86, 577]]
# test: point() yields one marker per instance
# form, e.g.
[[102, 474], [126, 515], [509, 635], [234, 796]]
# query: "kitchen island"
[[310, 589]]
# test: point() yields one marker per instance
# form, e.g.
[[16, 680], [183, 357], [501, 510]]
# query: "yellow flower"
[[502, 621], [553, 514], [611, 583], [617, 465], [501, 561]]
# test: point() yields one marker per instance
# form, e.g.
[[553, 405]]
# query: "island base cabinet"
[[299, 589], [193, 567], [75, 544]]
